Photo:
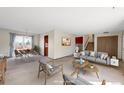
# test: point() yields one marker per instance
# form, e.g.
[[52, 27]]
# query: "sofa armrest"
[[76, 55]]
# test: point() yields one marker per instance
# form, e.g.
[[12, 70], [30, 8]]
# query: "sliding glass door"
[[22, 42]]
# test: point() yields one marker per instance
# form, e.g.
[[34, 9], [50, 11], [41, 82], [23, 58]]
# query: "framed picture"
[[66, 41]]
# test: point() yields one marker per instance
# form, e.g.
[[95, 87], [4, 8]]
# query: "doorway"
[[46, 45]]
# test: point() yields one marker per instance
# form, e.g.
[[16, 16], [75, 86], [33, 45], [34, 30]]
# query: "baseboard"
[[63, 57]]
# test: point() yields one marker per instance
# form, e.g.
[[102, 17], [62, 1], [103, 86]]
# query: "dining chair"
[[18, 53]]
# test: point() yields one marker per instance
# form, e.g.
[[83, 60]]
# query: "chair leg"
[[97, 75], [3, 78], [78, 71], [39, 71], [64, 83], [45, 78]]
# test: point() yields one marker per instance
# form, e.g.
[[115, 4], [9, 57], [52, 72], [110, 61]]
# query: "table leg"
[[45, 78], [73, 72], [78, 71], [97, 75]]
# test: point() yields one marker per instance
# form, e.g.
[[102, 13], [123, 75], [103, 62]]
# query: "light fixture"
[[105, 32]]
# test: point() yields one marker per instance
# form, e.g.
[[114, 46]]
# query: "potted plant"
[[37, 49]]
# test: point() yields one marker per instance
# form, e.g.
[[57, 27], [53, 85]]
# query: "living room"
[[64, 36]]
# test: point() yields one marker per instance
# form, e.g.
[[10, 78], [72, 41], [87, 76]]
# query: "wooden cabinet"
[[108, 44]]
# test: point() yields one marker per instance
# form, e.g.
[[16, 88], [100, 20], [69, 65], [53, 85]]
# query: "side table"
[[114, 62]]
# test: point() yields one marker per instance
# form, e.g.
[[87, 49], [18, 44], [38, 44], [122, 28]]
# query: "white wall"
[[50, 43], [4, 42], [62, 51], [37, 39], [55, 49], [119, 34]]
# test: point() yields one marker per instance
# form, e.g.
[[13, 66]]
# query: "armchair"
[[49, 69]]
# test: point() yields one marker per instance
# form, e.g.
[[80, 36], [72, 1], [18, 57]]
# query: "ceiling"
[[75, 20]]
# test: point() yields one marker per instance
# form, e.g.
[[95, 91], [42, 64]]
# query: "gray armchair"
[[49, 69], [78, 81], [70, 81]]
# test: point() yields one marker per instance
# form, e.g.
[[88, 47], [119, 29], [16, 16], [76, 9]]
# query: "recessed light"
[[105, 32]]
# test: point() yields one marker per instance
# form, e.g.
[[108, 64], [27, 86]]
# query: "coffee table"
[[86, 66], [78, 66], [91, 68]]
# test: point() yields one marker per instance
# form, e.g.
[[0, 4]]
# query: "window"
[[23, 42]]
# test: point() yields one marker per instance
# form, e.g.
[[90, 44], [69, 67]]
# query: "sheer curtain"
[[12, 38], [20, 42]]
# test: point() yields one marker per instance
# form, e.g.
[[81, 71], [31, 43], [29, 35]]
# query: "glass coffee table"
[[91, 68], [86, 66], [78, 66]]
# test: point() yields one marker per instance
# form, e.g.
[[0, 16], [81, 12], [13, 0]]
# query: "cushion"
[[99, 60], [91, 58], [76, 54], [81, 81], [102, 56], [49, 68], [82, 53], [92, 54], [100, 53], [68, 80], [105, 56], [87, 53], [77, 49], [83, 57]]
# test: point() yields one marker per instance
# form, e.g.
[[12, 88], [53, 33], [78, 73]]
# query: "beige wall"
[[5, 39], [119, 34], [4, 42], [61, 51], [37, 39], [55, 49]]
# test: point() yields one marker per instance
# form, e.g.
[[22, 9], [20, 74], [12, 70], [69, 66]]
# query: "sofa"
[[68, 80], [97, 57]]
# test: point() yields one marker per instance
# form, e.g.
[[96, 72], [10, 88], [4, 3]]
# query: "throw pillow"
[[49, 68], [105, 56], [102, 56], [82, 53], [92, 53]]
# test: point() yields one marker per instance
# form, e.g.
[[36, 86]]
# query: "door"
[[46, 45], [108, 44]]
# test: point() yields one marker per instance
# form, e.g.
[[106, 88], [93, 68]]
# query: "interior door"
[[46, 45], [108, 44]]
